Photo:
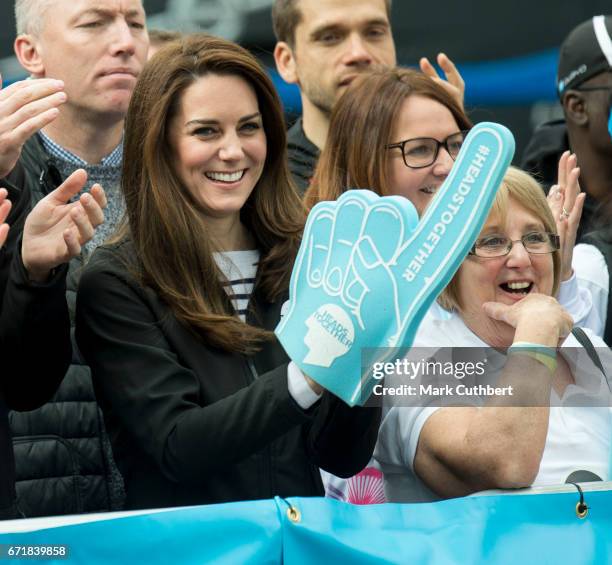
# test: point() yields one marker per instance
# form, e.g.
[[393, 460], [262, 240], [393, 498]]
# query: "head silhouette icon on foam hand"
[[330, 335], [368, 270]]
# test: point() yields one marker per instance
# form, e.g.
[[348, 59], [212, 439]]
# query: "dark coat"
[[63, 459], [191, 424], [541, 159], [302, 156], [35, 346]]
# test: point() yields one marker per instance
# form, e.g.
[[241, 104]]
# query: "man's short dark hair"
[[286, 15]]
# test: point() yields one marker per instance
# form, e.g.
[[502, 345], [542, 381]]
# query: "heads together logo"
[[330, 335]]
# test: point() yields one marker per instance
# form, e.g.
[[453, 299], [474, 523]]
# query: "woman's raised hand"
[[566, 203]]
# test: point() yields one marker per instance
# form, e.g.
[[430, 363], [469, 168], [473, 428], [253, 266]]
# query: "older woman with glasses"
[[501, 303]]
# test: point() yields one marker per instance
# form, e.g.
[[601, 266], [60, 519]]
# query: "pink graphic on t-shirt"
[[366, 487]]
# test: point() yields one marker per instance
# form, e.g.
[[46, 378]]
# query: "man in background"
[[83, 58], [322, 46], [584, 86]]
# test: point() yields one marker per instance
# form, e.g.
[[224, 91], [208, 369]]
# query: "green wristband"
[[541, 353]]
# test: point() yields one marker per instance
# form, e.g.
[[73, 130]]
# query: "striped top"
[[240, 269]]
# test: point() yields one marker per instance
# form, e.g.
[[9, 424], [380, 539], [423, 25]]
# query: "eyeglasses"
[[421, 152], [535, 243]]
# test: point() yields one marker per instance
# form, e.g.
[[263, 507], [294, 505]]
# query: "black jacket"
[[191, 424], [541, 159], [542, 154], [63, 458], [35, 346], [303, 156]]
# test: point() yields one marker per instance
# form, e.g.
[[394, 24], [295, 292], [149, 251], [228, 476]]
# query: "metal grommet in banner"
[[294, 514], [581, 508]]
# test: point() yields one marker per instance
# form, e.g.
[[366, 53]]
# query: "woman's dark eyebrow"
[[250, 117], [206, 121]]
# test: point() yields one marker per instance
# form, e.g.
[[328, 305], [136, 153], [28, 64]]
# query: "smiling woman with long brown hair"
[[176, 316]]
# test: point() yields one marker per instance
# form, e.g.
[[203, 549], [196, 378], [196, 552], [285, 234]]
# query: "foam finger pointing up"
[[348, 225]]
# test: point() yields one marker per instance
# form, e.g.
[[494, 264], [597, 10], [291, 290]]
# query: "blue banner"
[[508, 528]]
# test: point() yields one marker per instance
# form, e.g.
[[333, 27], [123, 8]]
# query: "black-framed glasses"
[[535, 243], [421, 152]]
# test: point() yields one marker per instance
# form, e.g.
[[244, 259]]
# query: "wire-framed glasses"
[[535, 242]]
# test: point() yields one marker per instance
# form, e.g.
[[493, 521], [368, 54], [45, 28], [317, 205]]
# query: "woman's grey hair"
[[30, 14]]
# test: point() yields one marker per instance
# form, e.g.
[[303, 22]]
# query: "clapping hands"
[[56, 229], [25, 108]]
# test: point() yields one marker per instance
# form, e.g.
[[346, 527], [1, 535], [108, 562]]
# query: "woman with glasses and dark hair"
[[385, 134], [176, 317], [501, 306]]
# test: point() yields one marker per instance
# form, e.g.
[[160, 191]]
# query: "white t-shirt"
[[577, 439], [593, 276]]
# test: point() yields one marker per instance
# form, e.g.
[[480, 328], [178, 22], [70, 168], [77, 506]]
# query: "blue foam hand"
[[368, 270]]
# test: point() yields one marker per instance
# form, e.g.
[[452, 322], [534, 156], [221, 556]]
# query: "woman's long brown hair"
[[166, 225], [361, 127]]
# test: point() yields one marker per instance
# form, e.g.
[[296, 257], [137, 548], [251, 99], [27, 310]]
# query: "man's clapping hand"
[[56, 229], [25, 108]]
